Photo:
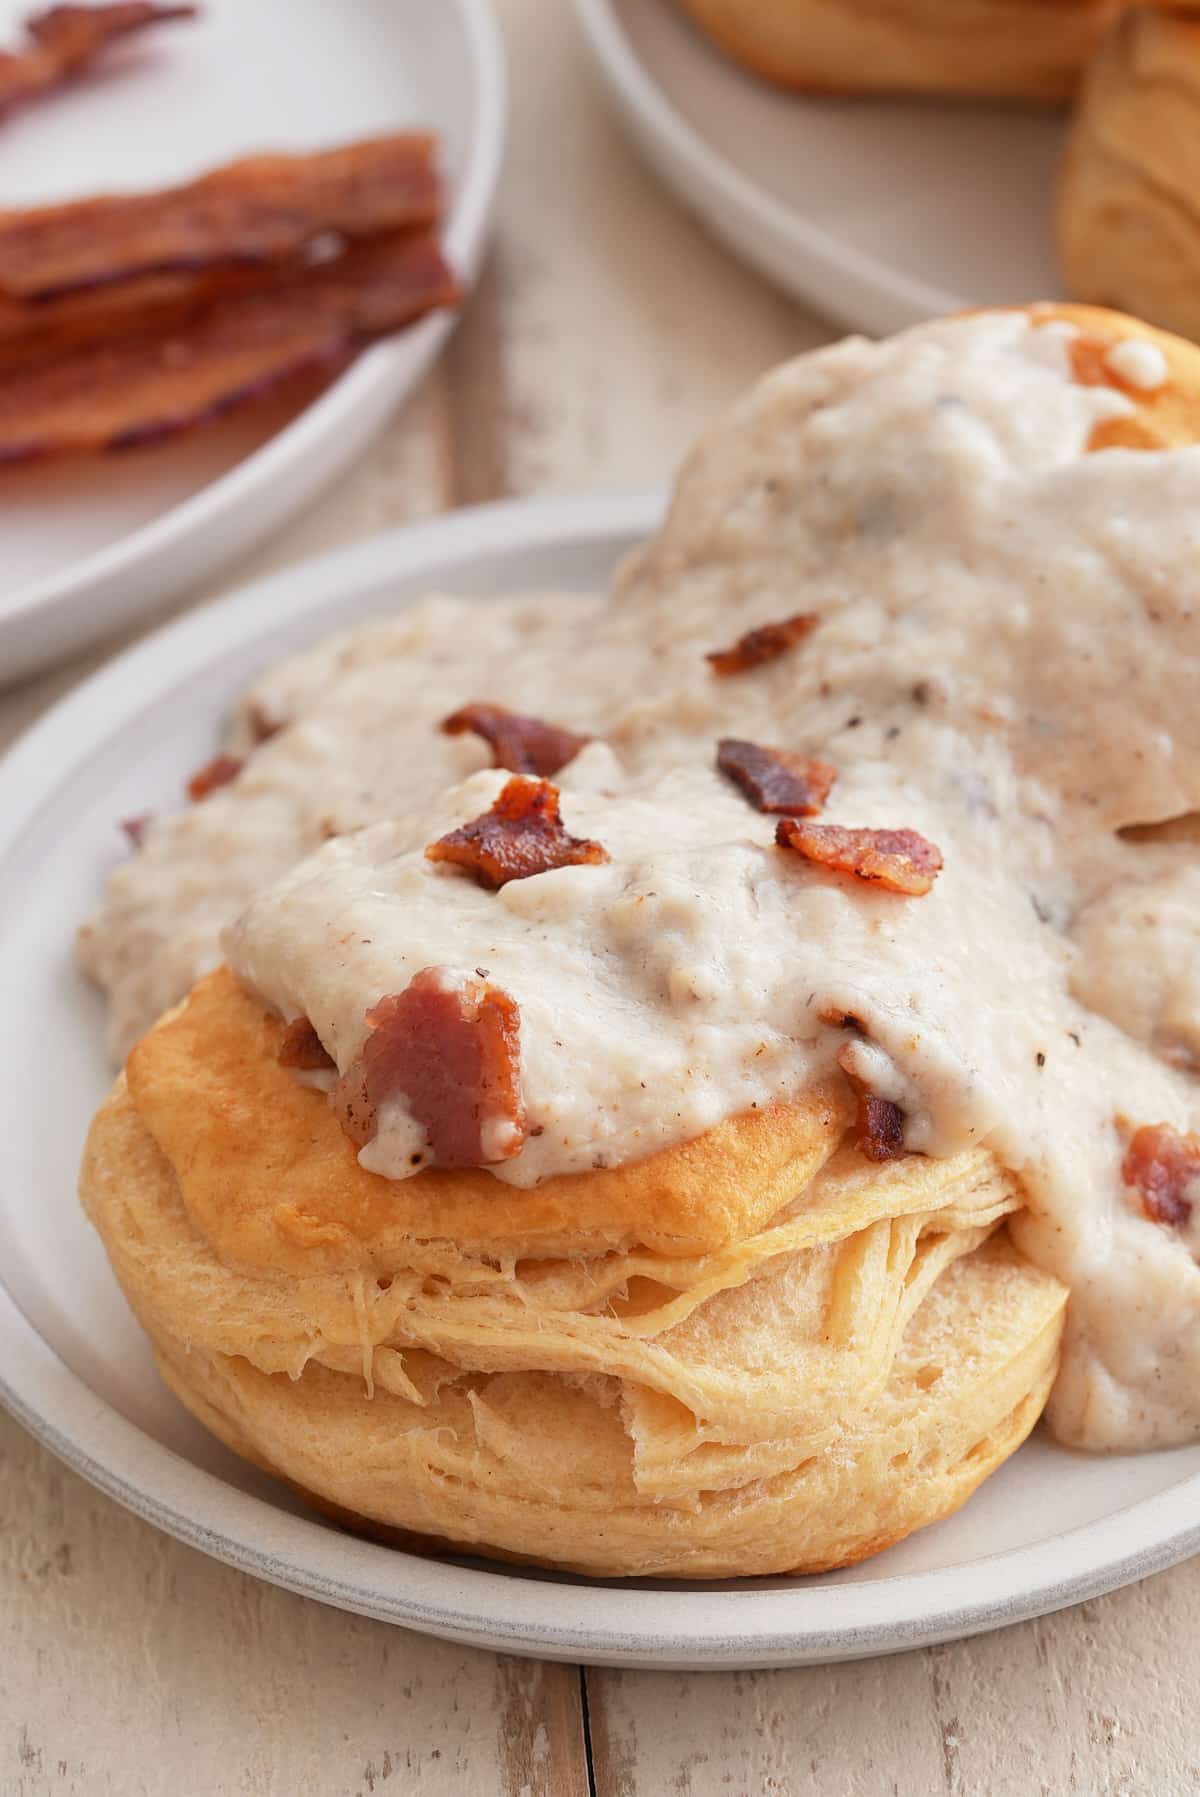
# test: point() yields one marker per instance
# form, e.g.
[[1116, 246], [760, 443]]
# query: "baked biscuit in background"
[[1009, 49], [1128, 210]]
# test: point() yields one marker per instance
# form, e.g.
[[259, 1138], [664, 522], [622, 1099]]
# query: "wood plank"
[[625, 327], [858, 1730], [1097, 1699], [132, 1664]]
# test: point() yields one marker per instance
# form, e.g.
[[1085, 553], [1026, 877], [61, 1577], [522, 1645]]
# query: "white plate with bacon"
[[95, 537], [1050, 1528]]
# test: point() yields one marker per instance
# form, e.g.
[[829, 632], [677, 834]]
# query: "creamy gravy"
[[1006, 661]]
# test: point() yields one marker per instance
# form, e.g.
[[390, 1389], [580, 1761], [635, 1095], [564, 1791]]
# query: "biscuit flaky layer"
[[753, 1353], [1128, 211], [1019, 49]]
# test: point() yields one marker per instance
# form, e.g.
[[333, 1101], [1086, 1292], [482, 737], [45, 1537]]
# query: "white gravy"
[[1006, 661]]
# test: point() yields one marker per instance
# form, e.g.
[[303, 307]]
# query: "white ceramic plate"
[[91, 543], [1049, 1529], [876, 212]]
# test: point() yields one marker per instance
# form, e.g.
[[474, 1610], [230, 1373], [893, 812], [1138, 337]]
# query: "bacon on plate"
[[139, 389], [261, 209], [63, 40]]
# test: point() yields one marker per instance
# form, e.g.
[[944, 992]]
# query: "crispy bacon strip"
[[897, 860], [302, 1048], [1163, 1167], [217, 772], [520, 836], [776, 780], [38, 331], [762, 644], [521, 744], [259, 210], [64, 39], [450, 1047], [141, 389]]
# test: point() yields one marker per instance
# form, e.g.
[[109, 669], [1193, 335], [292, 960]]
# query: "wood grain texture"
[[1098, 1700], [607, 330], [132, 1664]]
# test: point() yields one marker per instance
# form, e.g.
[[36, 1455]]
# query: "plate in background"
[[1048, 1529], [876, 212], [90, 543]]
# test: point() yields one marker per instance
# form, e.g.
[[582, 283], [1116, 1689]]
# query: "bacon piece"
[[135, 827], [1163, 1167], [842, 1020], [521, 744], [302, 1048], [217, 772], [776, 780], [880, 1128], [763, 643], [259, 210], [302, 323], [520, 836], [33, 332], [878, 1122], [263, 725], [449, 1046], [65, 39], [897, 860]]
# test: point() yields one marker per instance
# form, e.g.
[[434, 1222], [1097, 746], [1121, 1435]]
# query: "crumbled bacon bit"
[[878, 1123], [217, 772], [897, 860], [776, 780], [521, 744], [763, 643], [450, 1047], [263, 726], [301, 1047], [842, 1020], [520, 836], [880, 1126], [1163, 1167], [135, 827]]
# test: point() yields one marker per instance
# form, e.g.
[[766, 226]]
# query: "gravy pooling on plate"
[[1004, 660]]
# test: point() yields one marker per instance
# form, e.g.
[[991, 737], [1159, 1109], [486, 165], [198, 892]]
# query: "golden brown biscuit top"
[[270, 1181]]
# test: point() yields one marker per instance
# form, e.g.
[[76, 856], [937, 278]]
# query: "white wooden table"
[[606, 330]]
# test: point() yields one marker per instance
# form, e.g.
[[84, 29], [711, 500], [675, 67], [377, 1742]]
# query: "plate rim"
[[276, 468], [723, 185], [591, 1621]]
